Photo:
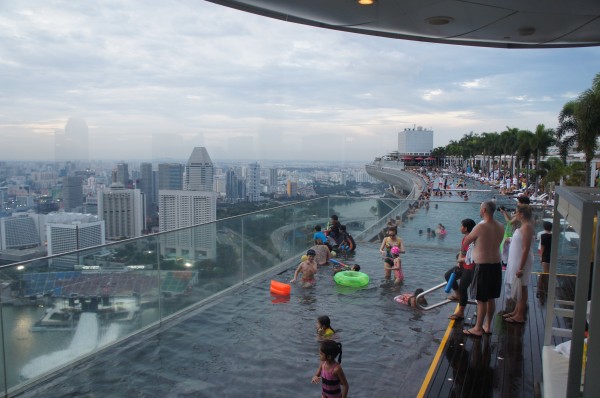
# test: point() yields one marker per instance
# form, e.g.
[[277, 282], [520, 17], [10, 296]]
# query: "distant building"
[[122, 174], [122, 211], [72, 193], [272, 180], [179, 209], [170, 176], [19, 232], [68, 232], [72, 143], [253, 182], [234, 187], [415, 142], [292, 189], [195, 204], [146, 186], [199, 171]]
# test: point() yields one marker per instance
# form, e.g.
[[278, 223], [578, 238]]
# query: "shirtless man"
[[308, 269], [487, 236]]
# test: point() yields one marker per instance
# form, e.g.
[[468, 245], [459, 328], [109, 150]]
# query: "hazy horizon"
[[152, 79]]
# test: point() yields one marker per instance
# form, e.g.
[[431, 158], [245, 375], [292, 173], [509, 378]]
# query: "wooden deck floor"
[[507, 363]]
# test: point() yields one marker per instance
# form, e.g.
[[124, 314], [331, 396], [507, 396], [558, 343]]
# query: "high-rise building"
[[415, 141], [232, 186], [179, 209], [199, 171], [122, 174], [122, 211], [253, 182], [72, 193], [196, 204], [292, 189], [18, 232], [272, 180], [170, 176], [72, 231], [146, 186], [72, 143]]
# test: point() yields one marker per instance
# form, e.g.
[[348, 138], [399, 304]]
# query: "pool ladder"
[[432, 306]]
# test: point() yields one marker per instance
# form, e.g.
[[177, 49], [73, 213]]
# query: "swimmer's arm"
[[317, 377], [296, 273], [339, 372], [401, 247], [383, 244]]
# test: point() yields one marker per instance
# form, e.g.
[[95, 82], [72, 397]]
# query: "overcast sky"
[[154, 78]]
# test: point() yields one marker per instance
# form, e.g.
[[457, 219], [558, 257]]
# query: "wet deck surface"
[[507, 363]]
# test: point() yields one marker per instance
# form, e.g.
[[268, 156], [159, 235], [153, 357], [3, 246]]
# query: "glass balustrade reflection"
[[56, 310]]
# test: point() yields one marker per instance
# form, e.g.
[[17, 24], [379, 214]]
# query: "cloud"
[[141, 72]]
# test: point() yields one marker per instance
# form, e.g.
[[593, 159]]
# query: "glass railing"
[[60, 309]]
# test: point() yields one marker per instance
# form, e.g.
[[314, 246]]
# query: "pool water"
[[245, 345], [250, 344]]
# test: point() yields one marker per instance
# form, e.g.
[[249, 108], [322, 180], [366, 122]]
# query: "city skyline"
[[151, 80]]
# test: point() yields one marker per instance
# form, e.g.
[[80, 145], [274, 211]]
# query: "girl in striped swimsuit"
[[330, 371]]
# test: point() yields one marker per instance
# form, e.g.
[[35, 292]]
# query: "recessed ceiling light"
[[441, 20], [366, 2], [527, 31]]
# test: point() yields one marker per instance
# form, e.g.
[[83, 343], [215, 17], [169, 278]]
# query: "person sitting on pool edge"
[[323, 254], [308, 269]]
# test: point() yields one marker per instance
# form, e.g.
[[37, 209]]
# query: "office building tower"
[[415, 141], [292, 189], [231, 186], [72, 143], [68, 232], [122, 211], [272, 180], [122, 174], [72, 193], [146, 186], [170, 176], [179, 209], [19, 232], [253, 182], [199, 171]]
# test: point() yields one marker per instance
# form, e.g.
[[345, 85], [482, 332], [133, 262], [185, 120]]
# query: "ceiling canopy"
[[485, 23]]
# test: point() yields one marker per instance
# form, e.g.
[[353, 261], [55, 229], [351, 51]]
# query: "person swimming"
[[324, 328], [411, 299]]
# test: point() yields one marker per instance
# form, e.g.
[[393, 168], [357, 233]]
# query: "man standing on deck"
[[487, 236]]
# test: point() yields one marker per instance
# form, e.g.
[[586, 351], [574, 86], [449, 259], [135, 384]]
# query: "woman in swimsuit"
[[411, 299]]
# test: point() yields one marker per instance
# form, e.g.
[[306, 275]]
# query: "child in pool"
[[334, 383], [308, 269], [324, 328], [397, 267], [355, 267], [411, 299]]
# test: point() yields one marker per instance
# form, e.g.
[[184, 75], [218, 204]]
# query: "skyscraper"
[[170, 176], [253, 182], [72, 143], [199, 171], [272, 180], [18, 232], [231, 186], [72, 193], [146, 186], [123, 174], [122, 211], [196, 204], [71, 231]]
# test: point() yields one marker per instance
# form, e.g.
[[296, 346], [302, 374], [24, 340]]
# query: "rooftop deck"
[[507, 363]]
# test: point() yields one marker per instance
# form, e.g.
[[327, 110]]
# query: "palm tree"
[[566, 133], [542, 139], [587, 115], [510, 145], [524, 151]]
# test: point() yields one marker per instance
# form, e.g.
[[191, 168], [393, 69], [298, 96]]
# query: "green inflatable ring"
[[351, 278]]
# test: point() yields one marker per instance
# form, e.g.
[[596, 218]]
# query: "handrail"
[[430, 307]]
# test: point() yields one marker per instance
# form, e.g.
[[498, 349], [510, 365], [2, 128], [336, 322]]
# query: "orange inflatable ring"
[[282, 289]]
